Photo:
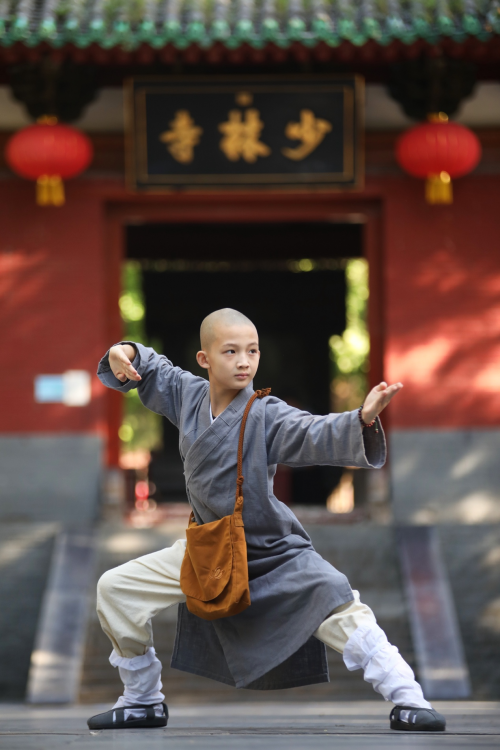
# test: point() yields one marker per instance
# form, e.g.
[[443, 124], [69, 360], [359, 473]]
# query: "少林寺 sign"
[[237, 132]]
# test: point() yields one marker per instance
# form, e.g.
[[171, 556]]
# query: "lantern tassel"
[[438, 189], [50, 191]]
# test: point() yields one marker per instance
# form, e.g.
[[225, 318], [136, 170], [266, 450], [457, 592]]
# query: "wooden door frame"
[[224, 208]]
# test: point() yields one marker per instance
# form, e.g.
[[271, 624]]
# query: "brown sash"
[[214, 572]]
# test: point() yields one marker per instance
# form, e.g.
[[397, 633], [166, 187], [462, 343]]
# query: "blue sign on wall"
[[72, 388], [49, 389]]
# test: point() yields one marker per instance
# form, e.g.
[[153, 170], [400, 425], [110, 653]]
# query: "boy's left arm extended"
[[297, 438], [161, 386]]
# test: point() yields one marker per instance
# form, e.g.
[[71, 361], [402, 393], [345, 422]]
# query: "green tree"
[[350, 352], [141, 428]]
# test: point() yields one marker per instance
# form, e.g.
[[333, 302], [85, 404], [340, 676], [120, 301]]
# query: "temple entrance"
[[289, 278]]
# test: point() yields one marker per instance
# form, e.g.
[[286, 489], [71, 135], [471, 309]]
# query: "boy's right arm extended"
[[160, 385]]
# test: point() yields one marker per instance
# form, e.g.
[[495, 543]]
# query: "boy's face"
[[232, 357]]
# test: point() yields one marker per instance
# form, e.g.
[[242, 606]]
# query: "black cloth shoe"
[[411, 719], [150, 721]]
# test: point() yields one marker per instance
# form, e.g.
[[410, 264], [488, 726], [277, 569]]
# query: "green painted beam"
[[130, 23]]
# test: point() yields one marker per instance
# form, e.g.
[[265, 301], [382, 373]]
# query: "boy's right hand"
[[120, 361]]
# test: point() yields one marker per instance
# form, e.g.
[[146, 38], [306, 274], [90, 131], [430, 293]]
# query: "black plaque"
[[245, 132]]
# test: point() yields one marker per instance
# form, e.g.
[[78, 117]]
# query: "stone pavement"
[[256, 726]]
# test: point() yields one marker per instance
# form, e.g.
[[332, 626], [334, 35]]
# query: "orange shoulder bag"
[[214, 572]]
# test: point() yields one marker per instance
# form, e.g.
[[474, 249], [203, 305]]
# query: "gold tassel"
[[438, 189], [42, 191], [57, 191], [50, 191]]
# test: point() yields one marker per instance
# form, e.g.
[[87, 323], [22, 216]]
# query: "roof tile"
[[233, 22]]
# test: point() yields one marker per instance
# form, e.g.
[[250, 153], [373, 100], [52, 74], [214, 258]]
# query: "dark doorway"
[[244, 242], [263, 271]]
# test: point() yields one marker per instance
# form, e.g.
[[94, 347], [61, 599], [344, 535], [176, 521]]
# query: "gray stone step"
[[56, 660], [472, 558], [25, 555], [439, 652]]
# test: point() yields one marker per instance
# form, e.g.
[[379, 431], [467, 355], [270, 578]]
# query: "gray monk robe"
[[270, 644]]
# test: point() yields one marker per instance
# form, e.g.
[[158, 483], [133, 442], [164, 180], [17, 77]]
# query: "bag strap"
[[238, 507]]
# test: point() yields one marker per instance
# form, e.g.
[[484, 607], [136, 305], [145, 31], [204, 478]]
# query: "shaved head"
[[216, 321]]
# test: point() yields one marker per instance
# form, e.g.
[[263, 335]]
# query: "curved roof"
[[130, 23]]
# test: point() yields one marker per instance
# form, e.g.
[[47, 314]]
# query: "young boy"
[[299, 601]]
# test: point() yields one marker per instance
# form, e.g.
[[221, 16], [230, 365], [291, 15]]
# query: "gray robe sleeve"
[[297, 438], [162, 384]]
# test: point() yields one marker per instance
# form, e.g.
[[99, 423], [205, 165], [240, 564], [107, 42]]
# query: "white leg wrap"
[[384, 667], [141, 677]]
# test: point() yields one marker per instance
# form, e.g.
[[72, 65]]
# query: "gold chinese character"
[[241, 137], [310, 130], [183, 137]]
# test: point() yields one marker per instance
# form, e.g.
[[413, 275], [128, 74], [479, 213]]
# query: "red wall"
[[52, 302], [441, 301], [442, 304]]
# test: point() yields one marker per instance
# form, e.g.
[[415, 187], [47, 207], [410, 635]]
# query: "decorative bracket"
[[429, 85], [63, 90]]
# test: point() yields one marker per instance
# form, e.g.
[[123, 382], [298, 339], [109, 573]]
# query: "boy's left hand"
[[377, 400]]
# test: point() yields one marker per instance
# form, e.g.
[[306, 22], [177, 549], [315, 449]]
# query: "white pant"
[[128, 597]]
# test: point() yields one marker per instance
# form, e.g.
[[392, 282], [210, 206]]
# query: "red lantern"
[[438, 150], [49, 152]]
